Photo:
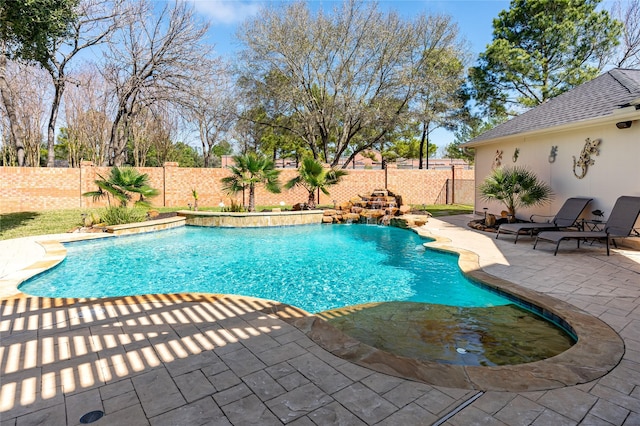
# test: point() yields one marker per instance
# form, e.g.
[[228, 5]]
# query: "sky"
[[474, 19]]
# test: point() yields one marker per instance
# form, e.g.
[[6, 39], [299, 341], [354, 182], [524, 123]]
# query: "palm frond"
[[313, 176], [515, 187], [121, 183], [250, 170]]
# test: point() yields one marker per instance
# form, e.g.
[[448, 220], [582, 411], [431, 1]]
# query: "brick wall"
[[32, 189]]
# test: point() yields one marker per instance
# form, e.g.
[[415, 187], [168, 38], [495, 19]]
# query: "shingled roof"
[[596, 98]]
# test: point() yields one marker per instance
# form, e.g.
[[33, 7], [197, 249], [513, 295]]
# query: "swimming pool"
[[313, 267]]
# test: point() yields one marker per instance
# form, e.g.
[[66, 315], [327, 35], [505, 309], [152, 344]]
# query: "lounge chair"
[[566, 217], [620, 224]]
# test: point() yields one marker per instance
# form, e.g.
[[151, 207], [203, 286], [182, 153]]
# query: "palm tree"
[[312, 176], [248, 171], [515, 187], [122, 183]]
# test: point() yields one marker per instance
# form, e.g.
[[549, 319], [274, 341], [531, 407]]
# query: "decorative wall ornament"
[[585, 160], [553, 153], [516, 154], [497, 160]]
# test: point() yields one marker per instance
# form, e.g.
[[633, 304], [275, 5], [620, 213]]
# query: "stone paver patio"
[[203, 359]]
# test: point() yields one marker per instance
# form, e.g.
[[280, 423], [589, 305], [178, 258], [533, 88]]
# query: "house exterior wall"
[[616, 170]]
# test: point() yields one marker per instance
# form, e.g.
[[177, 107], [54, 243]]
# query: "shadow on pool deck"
[[187, 359]]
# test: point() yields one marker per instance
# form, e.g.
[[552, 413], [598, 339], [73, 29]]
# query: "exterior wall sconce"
[[516, 154], [624, 124], [553, 153]]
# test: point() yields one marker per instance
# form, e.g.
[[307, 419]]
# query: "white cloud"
[[227, 11]]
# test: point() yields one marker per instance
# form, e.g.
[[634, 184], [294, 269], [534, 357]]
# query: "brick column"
[[87, 176], [168, 169]]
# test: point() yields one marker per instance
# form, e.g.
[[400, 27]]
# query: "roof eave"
[[623, 114]]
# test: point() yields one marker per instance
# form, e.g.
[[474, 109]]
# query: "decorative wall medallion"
[[497, 160], [516, 154], [585, 160], [553, 154]]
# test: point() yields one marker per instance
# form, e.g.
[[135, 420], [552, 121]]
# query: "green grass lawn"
[[444, 209], [23, 224], [14, 225]]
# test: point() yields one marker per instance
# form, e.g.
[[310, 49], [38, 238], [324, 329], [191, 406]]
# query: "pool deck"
[[197, 359]]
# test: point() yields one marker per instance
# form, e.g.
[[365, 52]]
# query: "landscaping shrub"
[[120, 215]]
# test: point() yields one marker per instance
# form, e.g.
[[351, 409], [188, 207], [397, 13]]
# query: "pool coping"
[[252, 219], [598, 349], [147, 226]]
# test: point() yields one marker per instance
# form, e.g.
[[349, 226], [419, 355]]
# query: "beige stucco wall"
[[616, 170]]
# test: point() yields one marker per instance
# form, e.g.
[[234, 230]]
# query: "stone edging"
[[148, 226], [251, 220], [598, 349]]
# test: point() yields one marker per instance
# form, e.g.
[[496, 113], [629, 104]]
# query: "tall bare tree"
[[213, 108], [27, 30], [28, 86], [345, 78], [13, 132], [97, 20], [153, 131], [156, 57], [140, 141], [86, 109], [163, 133], [627, 54]]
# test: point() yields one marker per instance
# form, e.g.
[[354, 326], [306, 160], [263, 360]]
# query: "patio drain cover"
[[91, 417]]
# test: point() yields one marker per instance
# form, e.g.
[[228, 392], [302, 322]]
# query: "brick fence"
[[33, 189]]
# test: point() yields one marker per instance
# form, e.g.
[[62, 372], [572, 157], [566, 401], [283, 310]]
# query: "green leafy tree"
[[186, 155], [250, 170], [122, 184], [540, 49], [267, 127], [470, 126], [515, 187], [405, 144], [455, 150], [29, 28], [312, 176], [440, 96], [222, 148], [71, 27]]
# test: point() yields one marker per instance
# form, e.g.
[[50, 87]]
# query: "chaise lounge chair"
[[566, 217], [620, 224]]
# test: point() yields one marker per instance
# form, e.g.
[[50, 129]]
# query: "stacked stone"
[[359, 209]]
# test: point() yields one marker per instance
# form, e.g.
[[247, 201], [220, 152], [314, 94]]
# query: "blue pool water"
[[314, 267]]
